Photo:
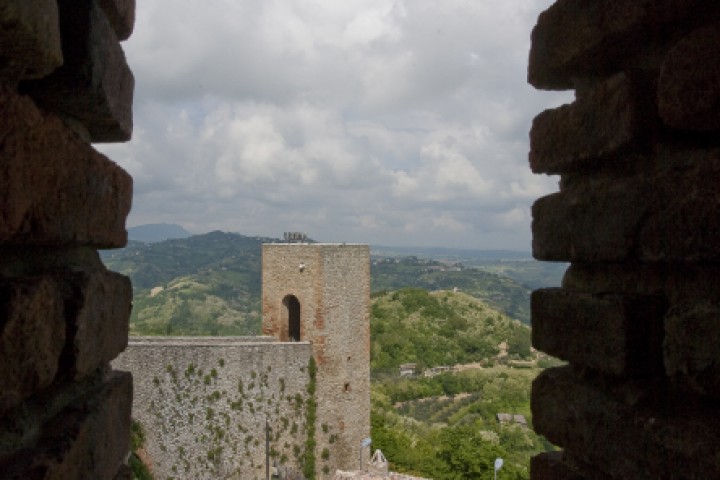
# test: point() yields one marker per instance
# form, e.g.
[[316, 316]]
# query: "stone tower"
[[320, 293]]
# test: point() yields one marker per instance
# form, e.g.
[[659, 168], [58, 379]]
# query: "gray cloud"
[[380, 121]]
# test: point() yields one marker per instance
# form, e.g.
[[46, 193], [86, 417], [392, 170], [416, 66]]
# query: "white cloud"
[[360, 120]]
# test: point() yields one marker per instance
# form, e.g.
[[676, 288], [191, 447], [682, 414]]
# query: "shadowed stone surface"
[[86, 441], [627, 330], [29, 39], [78, 196], [601, 124], [121, 14], [32, 336], [689, 82], [640, 431], [692, 357], [95, 85], [99, 306]]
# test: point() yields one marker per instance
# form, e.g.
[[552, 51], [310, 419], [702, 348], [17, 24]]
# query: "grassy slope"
[[439, 328]]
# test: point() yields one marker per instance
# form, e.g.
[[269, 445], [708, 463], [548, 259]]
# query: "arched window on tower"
[[292, 307]]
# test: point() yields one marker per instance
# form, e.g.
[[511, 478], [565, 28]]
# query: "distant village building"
[[503, 417], [502, 356], [520, 420], [408, 369], [506, 418]]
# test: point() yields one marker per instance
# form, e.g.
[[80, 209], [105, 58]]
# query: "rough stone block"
[[32, 336], [689, 82], [95, 85], [87, 441], [603, 123], [551, 232], [666, 214], [99, 306], [56, 189], [627, 430], [614, 334], [550, 466], [596, 221], [125, 473], [684, 225], [29, 39], [121, 14], [692, 357], [577, 38]]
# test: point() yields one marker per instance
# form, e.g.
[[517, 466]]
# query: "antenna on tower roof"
[[295, 237]]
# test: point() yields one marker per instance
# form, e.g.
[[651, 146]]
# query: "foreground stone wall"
[[204, 404], [64, 83], [638, 217]]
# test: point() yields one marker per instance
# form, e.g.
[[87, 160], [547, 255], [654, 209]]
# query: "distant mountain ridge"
[[157, 232], [451, 253], [210, 283]]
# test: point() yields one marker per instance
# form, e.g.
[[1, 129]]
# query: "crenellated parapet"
[[638, 216], [64, 83]]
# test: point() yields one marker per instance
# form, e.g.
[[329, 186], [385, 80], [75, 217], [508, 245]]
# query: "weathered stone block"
[[692, 357], [29, 39], [87, 441], [125, 473], [604, 122], [56, 189], [551, 232], [576, 38], [550, 466], [667, 214], [95, 84], [596, 223], [121, 14], [99, 307], [615, 334], [689, 82], [637, 431], [684, 225], [32, 336]]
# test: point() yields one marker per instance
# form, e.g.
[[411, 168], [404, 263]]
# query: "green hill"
[[202, 285], [412, 325], [500, 292], [210, 284]]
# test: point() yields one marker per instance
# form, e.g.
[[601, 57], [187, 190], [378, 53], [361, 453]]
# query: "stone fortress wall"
[[64, 84], [204, 402], [638, 216]]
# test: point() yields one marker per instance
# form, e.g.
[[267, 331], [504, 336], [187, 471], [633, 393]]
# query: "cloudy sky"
[[390, 122]]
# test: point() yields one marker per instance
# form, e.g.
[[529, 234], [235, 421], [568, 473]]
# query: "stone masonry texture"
[[638, 315], [94, 85], [332, 284], [203, 404], [64, 82], [29, 39]]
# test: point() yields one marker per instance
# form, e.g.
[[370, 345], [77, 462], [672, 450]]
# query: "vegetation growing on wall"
[[310, 420], [211, 420], [137, 442]]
